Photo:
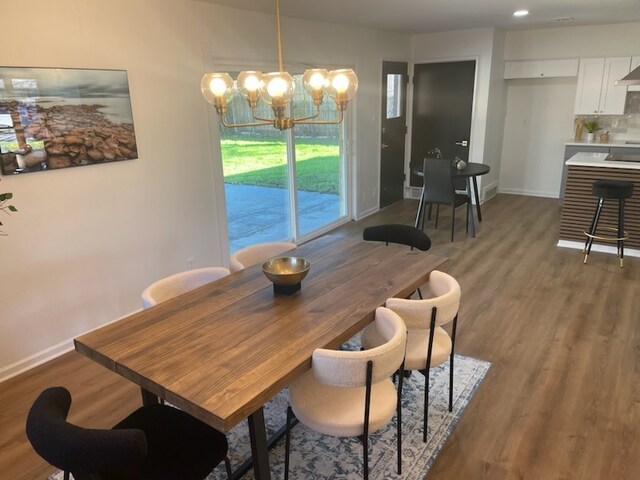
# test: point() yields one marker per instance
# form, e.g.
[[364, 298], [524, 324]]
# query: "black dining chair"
[[400, 234], [155, 442], [440, 189]]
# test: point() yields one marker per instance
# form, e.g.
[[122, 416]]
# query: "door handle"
[[384, 145], [462, 143]]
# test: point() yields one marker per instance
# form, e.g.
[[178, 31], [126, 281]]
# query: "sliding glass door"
[[283, 185]]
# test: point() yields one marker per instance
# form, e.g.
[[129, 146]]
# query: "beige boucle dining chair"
[[180, 283], [350, 393], [260, 252], [428, 344]]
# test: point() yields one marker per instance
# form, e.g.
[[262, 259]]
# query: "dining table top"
[[221, 351]]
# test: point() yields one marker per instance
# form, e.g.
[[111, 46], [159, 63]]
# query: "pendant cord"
[[279, 36]]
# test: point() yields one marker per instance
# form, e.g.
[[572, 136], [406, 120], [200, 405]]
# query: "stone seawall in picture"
[[64, 136]]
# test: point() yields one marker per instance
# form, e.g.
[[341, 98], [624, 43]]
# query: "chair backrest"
[[83, 452], [180, 283], [401, 234], [341, 368], [260, 252], [438, 181], [444, 293]]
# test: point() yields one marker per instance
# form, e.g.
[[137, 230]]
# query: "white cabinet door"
[[635, 63], [590, 75], [540, 68], [597, 93], [613, 98]]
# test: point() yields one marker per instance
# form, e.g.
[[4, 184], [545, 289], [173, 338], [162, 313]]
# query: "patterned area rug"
[[320, 457]]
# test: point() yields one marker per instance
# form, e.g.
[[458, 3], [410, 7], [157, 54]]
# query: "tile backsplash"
[[622, 126]]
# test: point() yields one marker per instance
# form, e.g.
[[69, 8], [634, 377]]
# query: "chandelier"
[[276, 89]]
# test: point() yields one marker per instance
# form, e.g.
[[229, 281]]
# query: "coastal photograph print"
[[53, 118]]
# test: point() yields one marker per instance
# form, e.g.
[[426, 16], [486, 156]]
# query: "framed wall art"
[[53, 118]]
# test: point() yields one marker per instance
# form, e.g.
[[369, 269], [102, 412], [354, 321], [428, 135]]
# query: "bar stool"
[[609, 190]]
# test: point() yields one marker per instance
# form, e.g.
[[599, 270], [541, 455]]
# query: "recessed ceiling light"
[[521, 13]]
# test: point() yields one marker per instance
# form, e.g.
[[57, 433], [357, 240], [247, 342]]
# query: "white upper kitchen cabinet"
[[540, 68], [597, 93]]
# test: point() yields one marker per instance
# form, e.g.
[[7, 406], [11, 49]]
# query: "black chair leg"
[[453, 220], [287, 443], [365, 457], [227, 465], [425, 421], [66, 476], [437, 214], [430, 209], [451, 369], [420, 293], [467, 225], [399, 417]]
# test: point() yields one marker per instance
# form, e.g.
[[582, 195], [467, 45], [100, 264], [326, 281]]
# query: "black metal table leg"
[[259, 449], [148, 398], [477, 197]]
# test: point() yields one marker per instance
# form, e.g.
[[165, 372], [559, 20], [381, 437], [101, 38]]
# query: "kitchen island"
[[579, 204]]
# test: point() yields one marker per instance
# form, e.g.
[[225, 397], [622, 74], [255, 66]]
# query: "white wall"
[[537, 125], [570, 42], [468, 44], [495, 114], [539, 113], [87, 240]]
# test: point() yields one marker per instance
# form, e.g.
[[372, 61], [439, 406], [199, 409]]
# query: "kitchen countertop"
[[590, 159], [611, 143]]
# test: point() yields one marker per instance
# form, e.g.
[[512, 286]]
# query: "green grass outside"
[[262, 162]]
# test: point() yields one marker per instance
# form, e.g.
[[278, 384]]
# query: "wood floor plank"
[[560, 400]]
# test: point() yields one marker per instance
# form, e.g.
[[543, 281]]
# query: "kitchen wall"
[[86, 241], [539, 112]]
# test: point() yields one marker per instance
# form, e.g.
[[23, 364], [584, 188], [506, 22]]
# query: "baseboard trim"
[[489, 192], [367, 213], [35, 360], [528, 193], [628, 252], [46, 355]]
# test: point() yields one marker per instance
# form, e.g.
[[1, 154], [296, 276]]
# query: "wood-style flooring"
[[561, 400]]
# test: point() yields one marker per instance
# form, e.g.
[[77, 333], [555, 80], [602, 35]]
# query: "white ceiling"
[[423, 16]]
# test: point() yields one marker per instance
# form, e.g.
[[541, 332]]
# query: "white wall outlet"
[[190, 261]]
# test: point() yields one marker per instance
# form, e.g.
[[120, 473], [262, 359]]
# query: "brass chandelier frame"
[[277, 90]]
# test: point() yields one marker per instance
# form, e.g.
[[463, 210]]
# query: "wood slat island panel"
[[221, 351], [579, 204]]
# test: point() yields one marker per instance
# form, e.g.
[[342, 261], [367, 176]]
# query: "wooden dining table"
[[220, 352]]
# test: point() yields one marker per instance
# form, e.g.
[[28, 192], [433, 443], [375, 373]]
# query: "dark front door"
[[442, 105], [394, 129]]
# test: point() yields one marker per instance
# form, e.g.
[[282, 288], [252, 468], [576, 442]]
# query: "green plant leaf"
[[12, 208]]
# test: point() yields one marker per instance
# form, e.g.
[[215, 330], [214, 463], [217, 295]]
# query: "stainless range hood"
[[633, 78]]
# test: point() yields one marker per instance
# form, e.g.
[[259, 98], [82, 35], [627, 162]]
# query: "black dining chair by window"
[[155, 442], [400, 234], [440, 189]]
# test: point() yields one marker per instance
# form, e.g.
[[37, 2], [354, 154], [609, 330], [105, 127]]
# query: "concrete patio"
[[261, 214]]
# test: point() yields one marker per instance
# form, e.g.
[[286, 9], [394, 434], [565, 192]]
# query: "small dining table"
[[469, 173], [221, 351]]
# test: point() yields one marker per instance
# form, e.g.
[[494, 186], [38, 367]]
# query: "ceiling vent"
[[563, 19]]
